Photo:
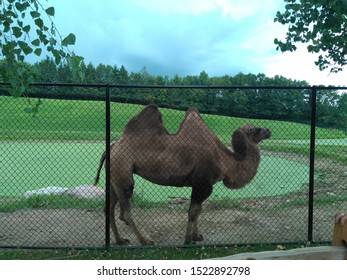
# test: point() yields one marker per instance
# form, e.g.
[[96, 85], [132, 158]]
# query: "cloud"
[[187, 41], [300, 65], [167, 7], [168, 37], [185, 37], [236, 9]]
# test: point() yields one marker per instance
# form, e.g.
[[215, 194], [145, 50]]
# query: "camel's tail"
[[97, 178]]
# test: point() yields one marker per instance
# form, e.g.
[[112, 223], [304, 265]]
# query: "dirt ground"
[[261, 220]]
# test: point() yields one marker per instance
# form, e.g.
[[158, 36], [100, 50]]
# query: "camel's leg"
[[113, 202], [199, 194], [124, 196], [196, 236], [192, 233]]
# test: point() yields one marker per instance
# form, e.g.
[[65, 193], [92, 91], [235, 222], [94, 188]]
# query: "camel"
[[193, 157]]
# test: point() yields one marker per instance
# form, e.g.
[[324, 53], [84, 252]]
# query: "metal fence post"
[[312, 162], [107, 168]]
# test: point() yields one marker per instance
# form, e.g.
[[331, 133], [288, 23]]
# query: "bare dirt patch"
[[81, 228]]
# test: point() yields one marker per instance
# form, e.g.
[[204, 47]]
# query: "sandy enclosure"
[[83, 228]]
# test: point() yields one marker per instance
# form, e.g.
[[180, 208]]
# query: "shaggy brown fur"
[[340, 231], [192, 157]]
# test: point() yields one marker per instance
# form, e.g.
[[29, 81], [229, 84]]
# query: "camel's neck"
[[241, 169]]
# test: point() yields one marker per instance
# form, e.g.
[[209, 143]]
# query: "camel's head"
[[255, 134]]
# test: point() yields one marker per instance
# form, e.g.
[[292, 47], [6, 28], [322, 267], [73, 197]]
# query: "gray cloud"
[[176, 37]]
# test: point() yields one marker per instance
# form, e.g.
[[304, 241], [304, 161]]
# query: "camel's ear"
[[239, 142]]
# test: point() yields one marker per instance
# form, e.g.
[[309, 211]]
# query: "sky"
[[185, 37]]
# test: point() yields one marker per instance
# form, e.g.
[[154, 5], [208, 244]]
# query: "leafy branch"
[[322, 25], [23, 32]]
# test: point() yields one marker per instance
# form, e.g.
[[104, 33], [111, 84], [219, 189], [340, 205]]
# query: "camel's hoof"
[[148, 243], [189, 243], [198, 237], [123, 241]]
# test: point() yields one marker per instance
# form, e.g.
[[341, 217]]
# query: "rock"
[[45, 191], [86, 191], [83, 191]]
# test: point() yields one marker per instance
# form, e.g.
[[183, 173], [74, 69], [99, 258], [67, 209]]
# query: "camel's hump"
[[192, 113], [149, 118], [194, 124], [192, 116]]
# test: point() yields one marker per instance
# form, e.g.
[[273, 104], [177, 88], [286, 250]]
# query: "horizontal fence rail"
[[52, 140]]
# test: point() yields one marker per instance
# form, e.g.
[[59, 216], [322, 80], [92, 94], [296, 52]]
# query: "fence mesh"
[[49, 160]]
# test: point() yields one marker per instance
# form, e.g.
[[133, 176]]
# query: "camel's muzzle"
[[267, 133]]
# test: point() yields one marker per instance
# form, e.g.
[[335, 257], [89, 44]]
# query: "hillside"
[[85, 120]]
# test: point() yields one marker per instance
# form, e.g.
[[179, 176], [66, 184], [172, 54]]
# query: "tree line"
[[277, 104]]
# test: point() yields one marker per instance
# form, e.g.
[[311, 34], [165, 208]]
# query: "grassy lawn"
[[85, 120], [335, 149], [160, 253]]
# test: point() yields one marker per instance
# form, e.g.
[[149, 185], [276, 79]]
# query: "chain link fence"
[[52, 140]]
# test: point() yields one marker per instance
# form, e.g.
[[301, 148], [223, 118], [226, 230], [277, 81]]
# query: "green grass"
[[334, 150], [160, 253], [85, 120]]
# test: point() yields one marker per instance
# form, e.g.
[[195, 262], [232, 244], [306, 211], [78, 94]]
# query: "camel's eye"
[[258, 130]]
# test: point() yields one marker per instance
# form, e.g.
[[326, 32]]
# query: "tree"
[[203, 78], [47, 70], [146, 77], [123, 77], [342, 108], [23, 31], [90, 73], [322, 25], [104, 74]]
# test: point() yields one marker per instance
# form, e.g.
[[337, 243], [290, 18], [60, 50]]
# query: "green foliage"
[[24, 31], [284, 104], [322, 24], [269, 103]]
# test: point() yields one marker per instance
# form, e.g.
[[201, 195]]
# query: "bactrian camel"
[[192, 157]]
